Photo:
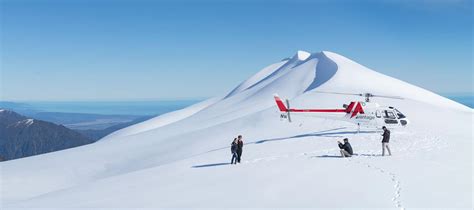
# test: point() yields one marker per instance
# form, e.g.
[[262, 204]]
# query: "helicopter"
[[362, 113]]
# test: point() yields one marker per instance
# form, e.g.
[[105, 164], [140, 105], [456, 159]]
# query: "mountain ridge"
[[23, 137], [324, 69]]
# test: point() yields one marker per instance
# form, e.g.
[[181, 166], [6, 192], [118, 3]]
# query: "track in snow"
[[355, 159], [393, 177]]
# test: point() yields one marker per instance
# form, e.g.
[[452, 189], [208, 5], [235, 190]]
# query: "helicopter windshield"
[[399, 114], [389, 114]]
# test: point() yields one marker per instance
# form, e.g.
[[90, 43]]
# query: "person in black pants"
[[240, 145], [346, 149], [233, 150]]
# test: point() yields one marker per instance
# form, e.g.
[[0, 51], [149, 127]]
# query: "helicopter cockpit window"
[[389, 114], [399, 114]]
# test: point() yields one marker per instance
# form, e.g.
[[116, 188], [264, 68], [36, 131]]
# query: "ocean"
[[139, 108], [466, 100]]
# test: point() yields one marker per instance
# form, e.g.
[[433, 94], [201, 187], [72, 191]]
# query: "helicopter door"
[[389, 117], [378, 121]]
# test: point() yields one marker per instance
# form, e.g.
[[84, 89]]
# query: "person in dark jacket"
[[385, 140], [346, 149], [233, 150], [240, 145]]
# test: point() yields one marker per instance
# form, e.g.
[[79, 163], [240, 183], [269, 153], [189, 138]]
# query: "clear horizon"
[[145, 50]]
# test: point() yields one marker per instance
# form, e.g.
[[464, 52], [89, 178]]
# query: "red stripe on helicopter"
[[358, 109], [317, 110], [350, 107]]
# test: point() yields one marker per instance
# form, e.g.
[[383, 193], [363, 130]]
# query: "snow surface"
[[162, 120], [181, 159], [302, 55]]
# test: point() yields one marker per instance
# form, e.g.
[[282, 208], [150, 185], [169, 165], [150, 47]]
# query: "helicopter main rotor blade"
[[392, 97], [339, 93], [361, 94]]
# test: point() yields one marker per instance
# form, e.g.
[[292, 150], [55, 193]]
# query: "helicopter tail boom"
[[283, 108]]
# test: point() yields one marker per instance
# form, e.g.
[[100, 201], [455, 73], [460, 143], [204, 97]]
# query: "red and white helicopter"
[[362, 113]]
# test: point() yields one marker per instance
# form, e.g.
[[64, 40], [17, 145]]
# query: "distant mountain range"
[[83, 121], [22, 137], [97, 134]]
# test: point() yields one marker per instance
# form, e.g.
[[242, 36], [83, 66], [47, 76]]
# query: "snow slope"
[[181, 159]]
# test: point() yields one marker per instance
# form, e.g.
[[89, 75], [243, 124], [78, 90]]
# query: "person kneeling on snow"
[[346, 149]]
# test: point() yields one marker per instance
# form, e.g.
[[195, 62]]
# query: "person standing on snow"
[[346, 149], [385, 140], [240, 145], [233, 150]]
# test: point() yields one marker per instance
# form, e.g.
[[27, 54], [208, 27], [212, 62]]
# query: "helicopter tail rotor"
[[283, 108]]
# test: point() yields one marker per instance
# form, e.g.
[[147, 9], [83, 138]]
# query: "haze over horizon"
[[136, 50]]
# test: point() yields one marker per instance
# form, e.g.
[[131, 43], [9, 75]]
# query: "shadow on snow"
[[354, 155], [210, 165], [326, 133]]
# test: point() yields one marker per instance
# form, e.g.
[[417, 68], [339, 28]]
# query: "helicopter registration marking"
[[365, 117]]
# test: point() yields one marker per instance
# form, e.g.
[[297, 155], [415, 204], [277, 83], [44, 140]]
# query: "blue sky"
[[135, 50]]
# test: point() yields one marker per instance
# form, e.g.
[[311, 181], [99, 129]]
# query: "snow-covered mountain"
[[23, 137], [180, 159]]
